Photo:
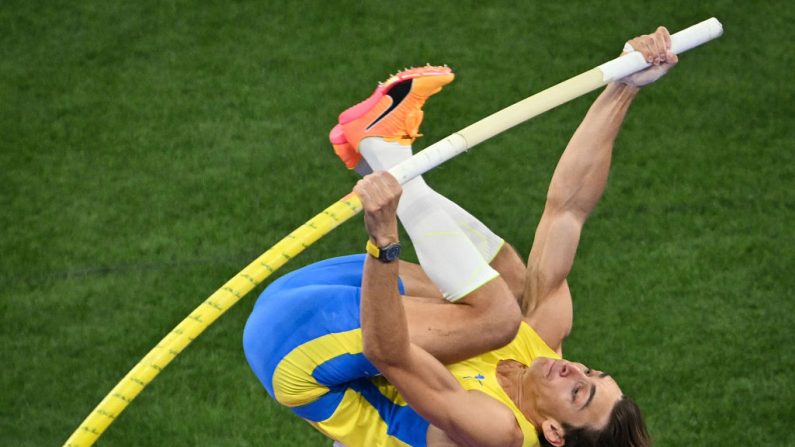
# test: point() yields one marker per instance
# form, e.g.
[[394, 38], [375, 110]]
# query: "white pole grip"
[[500, 121], [429, 158], [682, 41]]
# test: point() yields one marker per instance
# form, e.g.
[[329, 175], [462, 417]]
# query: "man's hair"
[[625, 428]]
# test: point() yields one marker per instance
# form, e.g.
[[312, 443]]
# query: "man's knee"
[[498, 311]]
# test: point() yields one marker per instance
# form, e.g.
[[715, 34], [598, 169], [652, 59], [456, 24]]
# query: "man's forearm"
[[385, 334], [581, 174]]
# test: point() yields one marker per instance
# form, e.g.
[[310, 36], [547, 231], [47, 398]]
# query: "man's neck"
[[511, 377]]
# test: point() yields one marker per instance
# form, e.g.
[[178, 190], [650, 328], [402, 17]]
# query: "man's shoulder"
[[501, 427], [551, 320]]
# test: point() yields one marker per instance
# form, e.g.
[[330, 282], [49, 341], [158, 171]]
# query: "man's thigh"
[[305, 346], [291, 333]]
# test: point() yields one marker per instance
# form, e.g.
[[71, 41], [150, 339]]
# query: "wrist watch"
[[387, 253]]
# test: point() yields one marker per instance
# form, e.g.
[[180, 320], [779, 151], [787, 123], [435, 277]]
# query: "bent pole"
[[109, 409]]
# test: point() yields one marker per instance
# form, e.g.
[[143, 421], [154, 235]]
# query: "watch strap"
[[388, 253], [372, 249]]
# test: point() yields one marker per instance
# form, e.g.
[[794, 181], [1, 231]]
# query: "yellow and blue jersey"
[[480, 373], [303, 341]]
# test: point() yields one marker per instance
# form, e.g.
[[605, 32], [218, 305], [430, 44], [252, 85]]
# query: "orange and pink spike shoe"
[[393, 112]]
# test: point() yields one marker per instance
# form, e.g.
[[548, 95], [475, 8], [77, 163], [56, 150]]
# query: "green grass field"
[[150, 150]]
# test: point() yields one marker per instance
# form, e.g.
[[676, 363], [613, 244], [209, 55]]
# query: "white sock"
[[444, 249], [385, 155], [485, 240]]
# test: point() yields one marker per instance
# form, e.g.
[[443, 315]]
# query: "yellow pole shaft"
[[203, 316]]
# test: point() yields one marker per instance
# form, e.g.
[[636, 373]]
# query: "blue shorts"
[[303, 341]]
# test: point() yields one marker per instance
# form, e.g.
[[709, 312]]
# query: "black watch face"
[[390, 253]]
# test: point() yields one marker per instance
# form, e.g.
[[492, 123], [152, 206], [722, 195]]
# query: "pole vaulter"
[[109, 409]]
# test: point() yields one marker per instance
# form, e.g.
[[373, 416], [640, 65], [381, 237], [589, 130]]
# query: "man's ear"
[[553, 432]]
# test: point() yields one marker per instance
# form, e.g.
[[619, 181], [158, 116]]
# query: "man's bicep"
[[552, 255], [548, 306]]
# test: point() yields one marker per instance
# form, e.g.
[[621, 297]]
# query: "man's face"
[[570, 392]]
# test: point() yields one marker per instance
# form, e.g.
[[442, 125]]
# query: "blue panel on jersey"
[[402, 421], [344, 368], [323, 407]]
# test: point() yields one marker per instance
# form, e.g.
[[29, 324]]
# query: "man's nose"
[[568, 369]]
